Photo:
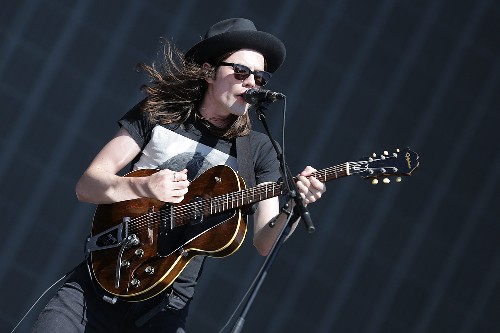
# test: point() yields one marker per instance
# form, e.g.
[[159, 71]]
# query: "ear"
[[210, 70]]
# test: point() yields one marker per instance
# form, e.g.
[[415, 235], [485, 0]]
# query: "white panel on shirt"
[[170, 150]]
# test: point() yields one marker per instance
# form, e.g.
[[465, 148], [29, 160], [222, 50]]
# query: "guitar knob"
[[132, 240], [386, 180], [374, 181], [149, 270], [125, 263], [135, 283], [398, 179], [139, 253], [135, 240]]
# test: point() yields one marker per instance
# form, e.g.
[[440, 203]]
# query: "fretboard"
[[265, 191]]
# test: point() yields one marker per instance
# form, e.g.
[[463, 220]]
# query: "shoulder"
[[258, 138], [261, 142]]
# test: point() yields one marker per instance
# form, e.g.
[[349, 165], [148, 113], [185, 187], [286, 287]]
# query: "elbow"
[[82, 189], [79, 190]]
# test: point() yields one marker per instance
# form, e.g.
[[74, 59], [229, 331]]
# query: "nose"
[[249, 81]]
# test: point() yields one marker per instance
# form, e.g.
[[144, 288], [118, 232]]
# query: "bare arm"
[[310, 188], [100, 183]]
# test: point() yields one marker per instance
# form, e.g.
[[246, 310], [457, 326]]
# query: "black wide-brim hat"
[[236, 34]]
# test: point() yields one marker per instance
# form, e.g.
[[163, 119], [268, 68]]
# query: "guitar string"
[[186, 212], [226, 201]]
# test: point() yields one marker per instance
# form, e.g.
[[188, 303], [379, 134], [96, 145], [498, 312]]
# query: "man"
[[192, 118]]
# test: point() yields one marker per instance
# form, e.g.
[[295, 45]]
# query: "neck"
[[217, 121]]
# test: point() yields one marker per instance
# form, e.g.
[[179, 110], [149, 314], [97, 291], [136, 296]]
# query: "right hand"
[[168, 186]]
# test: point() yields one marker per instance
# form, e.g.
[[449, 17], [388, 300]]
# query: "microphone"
[[254, 96]]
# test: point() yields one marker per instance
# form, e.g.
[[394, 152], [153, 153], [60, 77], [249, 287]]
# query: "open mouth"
[[241, 96]]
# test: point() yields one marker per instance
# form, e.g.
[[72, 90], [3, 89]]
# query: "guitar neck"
[[269, 190]]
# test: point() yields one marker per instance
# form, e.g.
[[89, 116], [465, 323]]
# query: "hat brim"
[[268, 45]]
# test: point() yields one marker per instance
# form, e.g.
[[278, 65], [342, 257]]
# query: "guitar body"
[[163, 250]]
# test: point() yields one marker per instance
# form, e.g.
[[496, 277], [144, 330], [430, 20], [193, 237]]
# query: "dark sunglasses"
[[241, 72]]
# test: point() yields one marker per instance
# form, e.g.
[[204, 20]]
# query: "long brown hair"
[[176, 89]]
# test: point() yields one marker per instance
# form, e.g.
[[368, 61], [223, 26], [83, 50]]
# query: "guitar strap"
[[245, 160], [246, 165]]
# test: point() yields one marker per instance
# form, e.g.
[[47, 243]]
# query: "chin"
[[239, 109], [240, 112]]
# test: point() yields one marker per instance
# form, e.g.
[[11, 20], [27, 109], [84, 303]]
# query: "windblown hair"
[[176, 89]]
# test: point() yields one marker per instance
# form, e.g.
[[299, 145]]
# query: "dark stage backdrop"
[[361, 76]]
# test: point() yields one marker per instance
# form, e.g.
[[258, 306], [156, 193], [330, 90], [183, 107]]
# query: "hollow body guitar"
[[138, 247]]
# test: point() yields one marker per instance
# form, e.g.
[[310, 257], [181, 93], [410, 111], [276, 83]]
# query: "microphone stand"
[[299, 211], [288, 181]]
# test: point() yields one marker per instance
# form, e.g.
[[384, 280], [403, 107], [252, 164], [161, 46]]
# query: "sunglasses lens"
[[241, 72], [261, 78]]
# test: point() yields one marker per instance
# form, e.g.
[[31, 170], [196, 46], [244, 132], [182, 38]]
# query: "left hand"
[[310, 188]]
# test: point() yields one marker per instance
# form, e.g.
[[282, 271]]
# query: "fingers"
[[178, 176], [178, 187], [310, 188], [308, 171], [176, 195], [168, 186]]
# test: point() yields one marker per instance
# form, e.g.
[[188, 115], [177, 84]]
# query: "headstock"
[[399, 163]]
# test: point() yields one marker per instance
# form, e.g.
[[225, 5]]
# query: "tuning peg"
[[386, 180], [398, 179], [374, 181], [397, 150], [386, 153], [374, 155]]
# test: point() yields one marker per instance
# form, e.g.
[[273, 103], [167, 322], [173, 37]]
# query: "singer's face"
[[224, 93]]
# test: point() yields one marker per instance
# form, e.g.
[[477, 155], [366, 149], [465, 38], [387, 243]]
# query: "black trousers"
[[77, 307]]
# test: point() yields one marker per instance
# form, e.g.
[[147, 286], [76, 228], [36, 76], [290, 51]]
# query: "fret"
[[217, 210]]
